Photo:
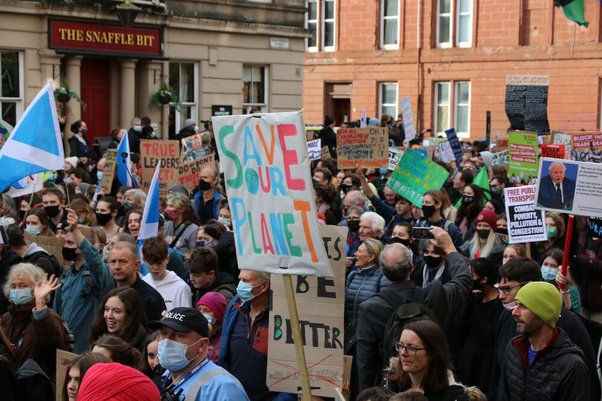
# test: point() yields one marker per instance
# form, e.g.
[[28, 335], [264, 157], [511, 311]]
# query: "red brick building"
[[452, 58]]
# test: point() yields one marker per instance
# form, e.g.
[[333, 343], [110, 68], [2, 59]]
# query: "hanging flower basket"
[[63, 94], [164, 98], [63, 97], [165, 95]]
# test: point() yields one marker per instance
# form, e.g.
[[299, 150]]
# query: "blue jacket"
[[78, 297], [227, 329], [198, 202]]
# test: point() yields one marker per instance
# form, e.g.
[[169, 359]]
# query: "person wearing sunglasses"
[[513, 276], [423, 363]]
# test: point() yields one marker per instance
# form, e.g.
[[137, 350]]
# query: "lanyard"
[[188, 376]]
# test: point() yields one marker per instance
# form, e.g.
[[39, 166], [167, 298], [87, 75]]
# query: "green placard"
[[414, 175], [522, 157]]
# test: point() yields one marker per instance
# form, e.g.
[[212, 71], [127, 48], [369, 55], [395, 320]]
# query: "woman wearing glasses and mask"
[[423, 363]]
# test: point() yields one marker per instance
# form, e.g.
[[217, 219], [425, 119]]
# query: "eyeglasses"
[[410, 349], [507, 289]]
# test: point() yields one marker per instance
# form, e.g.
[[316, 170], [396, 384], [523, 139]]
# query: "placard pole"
[[528, 249], [567, 247], [299, 351]]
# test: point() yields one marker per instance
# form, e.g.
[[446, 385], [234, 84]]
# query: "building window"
[[454, 23], [312, 25], [255, 88], [460, 115], [183, 76], [328, 25], [389, 27], [11, 90], [388, 99]]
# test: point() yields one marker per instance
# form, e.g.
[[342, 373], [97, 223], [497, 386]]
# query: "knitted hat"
[[71, 160], [216, 302], [487, 216], [543, 299], [189, 122], [113, 381]]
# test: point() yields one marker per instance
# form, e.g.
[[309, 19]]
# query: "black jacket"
[[329, 138], [374, 313], [558, 372]]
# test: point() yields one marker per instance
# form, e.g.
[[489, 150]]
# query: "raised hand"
[[44, 287]]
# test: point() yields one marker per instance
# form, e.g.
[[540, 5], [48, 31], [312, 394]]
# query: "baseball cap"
[[183, 320]]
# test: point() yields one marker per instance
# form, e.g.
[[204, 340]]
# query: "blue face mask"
[[548, 273], [384, 171], [35, 230], [209, 318], [245, 291], [172, 355], [21, 296]]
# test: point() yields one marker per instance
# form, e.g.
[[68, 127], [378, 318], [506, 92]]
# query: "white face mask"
[[510, 305]]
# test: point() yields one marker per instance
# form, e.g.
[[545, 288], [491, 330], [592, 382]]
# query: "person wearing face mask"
[[471, 333], [107, 211], [134, 134], [36, 223], [511, 278], [83, 282], [353, 235], [34, 330], [432, 207], [181, 229], [77, 142], [497, 185], [53, 200], [243, 350], [555, 229], [207, 200], [484, 242], [431, 266], [213, 306], [471, 205], [183, 347], [550, 271], [225, 216], [188, 129]]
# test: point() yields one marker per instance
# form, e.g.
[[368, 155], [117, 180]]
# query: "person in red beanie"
[[213, 306], [485, 242], [116, 382]]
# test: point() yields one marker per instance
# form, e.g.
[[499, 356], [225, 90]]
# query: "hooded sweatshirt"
[[173, 289]]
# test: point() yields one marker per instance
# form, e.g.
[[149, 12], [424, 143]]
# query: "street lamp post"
[[127, 13]]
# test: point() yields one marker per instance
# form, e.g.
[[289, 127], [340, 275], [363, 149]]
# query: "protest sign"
[[108, 174], [522, 157], [408, 118], [446, 153], [415, 175], [586, 146], [197, 146], [269, 186], [553, 150], [500, 157], [525, 224], [189, 173], [363, 119], [395, 154], [362, 147], [63, 359], [594, 227], [527, 102], [580, 187], [320, 302], [54, 245], [325, 153], [456, 146], [314, 148], [160, 151]]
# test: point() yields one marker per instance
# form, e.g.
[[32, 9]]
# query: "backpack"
[[33, 384], [402, 315], [57, 269]]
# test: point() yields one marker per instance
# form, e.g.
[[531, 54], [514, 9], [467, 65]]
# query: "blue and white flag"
[[124, 164], [149, 226], [26, 185], [35, 144]]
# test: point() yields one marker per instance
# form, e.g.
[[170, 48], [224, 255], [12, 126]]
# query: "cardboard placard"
[[522, 157], [362, 147], [320, 302], [325, 153], [525, 224], [586, 147], [54, 245], [446, 153], [500, 157], [456, 146], [63, 358], [189, 172], [269, 186], [408, 118], [197, 146], [527, 102], [108, 174], [314, 148], [160, 151], [580, 187], [415, 175]]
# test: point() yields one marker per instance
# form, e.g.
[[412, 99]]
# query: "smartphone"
[[422, 233]]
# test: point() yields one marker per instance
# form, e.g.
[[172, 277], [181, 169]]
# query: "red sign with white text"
[[104, 39]]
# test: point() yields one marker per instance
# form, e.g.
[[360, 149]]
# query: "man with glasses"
[[124, 264], [513, 276]]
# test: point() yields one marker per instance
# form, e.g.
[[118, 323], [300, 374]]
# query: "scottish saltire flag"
[[27, 185], [124, 165], [35, 144], [149, 226], [5, 130]]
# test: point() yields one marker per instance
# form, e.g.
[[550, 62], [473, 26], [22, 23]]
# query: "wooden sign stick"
[[299, 351]]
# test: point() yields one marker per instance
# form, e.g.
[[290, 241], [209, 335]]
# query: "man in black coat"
[[442, 299], [328, 137]]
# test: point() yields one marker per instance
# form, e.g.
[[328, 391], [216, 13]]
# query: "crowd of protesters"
[[175, 318]]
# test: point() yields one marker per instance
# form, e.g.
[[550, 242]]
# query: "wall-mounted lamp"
[[127, 13]]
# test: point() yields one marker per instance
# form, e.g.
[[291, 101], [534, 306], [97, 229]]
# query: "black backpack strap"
[[177, 237]]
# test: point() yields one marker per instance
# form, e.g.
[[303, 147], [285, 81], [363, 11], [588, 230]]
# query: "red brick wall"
[[507, 40]]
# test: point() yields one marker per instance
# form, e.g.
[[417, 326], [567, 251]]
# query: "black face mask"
[[103, 218], [354, 225], [22, 214], [466, 199], [428, 211], [432, 261], [204, 185], [69, 254], [52, 211], [397, 240], [503, 231], [483, 234], [345, 188]]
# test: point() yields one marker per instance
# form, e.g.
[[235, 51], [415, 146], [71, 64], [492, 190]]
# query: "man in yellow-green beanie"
[[542, 363]]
